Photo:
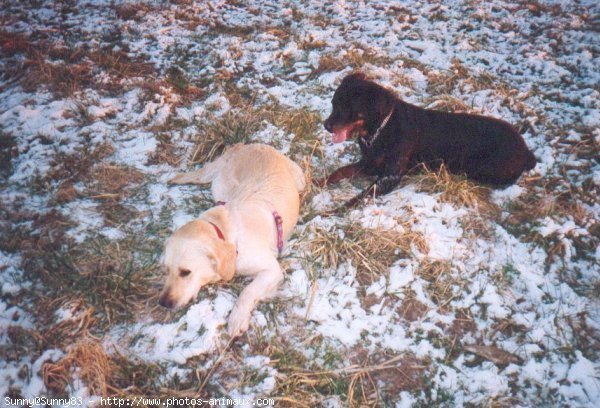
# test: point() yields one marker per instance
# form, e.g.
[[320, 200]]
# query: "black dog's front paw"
[[322, 182], [348, 205]]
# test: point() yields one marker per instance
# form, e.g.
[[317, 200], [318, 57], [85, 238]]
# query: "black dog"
[[395, 136]]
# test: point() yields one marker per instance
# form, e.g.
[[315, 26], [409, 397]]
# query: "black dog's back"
[[486, 149]]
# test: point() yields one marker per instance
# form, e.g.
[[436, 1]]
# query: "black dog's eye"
[[360, 115], [184, 272]]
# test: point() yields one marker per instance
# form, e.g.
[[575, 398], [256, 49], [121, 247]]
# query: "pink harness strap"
[[278, 227]]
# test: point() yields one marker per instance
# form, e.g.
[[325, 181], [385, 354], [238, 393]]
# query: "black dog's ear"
[[383, 101], [355, 76]]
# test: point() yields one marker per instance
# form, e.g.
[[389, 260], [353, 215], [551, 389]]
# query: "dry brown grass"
[[301, 122], [18, 224], [81, 322], [132, 11], [76, 70], [456, 190], [245, 119], [77, 166], [443, 284], [101, 272], [105, 375], [120, 65], [309, 43], [541, 200], [176, 86], [411, 309], [65, 70], [282, 33], [307, 170], [108, 181], [79, 112], [65, 193], [217, 27], [448, 103], [179, 80], [166, 151], [548, 199], [458, 77], [59, 78], [355, 58], [357, 385], [462, 325], [107, 277], [92, 364], [486, 80], [444, 82], [229, 129], [496, 355], [371, 251], [14, 43]]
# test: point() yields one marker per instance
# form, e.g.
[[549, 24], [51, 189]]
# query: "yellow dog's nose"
[[166, 301]]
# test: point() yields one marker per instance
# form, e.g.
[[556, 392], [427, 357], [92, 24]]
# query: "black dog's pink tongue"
[[340, 135]]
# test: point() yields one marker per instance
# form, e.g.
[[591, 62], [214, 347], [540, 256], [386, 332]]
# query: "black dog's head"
[[358, 108]]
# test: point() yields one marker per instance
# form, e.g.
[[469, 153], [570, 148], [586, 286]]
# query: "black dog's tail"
[[530, 161]]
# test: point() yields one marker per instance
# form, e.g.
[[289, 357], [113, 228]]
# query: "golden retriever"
[[259, 190]]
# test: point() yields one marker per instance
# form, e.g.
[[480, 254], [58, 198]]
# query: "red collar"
[[218, 231]]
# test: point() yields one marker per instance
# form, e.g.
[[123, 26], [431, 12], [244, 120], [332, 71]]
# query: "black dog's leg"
[[382, 185], [348, 171]]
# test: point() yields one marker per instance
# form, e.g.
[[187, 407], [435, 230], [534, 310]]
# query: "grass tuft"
[[91, 363], [78, 165], [227, 130], [132, 11], [448, 103], [358, 385], [372, 251], [65, 70], [101, 272], [12, 43], [455, 189], [104, 374], [239, 124], [59, 78], [356, 58], [444, 286], [108, 181]]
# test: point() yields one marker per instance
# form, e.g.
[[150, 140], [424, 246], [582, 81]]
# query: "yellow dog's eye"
[[184, 272]]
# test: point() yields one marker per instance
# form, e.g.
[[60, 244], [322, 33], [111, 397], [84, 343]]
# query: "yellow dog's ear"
[[223, 258], [223, 253]]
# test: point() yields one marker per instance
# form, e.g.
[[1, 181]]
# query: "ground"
[[442, 293]]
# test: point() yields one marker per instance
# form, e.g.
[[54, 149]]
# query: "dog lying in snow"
[[394, 136], [259, 193]]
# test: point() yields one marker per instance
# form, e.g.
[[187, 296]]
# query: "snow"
[[400, 277], [260, 364], [506, 195], [197, 332]]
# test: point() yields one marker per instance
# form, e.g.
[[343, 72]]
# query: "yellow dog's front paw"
[[238, 323], [180, 178]]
